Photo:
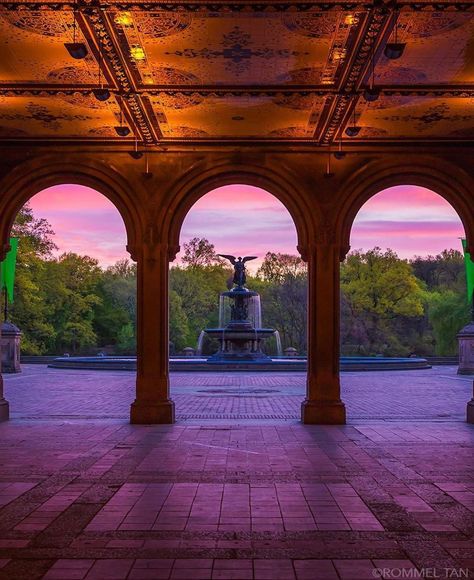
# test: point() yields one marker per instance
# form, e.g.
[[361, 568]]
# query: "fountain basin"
[[201, 364], [238, 343]]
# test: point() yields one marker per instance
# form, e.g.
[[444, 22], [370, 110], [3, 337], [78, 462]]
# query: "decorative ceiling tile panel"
[[408, 117], [232, 48], [46, 117], [32, 49], [439, 49], [238, 117]]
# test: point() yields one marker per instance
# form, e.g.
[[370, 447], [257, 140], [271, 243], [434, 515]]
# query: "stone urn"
[[10, 347], [466, 350]]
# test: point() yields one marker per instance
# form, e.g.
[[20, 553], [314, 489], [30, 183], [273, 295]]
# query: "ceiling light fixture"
[[394, 50], [353, 130], [372, 93], [77, 50], [340, 154], [135, 154], [101, 94], [122, 130]]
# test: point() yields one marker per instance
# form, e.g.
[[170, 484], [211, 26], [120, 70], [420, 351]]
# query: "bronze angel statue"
[[240, 277]]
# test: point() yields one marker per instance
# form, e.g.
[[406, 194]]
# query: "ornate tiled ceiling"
[[273, 71]]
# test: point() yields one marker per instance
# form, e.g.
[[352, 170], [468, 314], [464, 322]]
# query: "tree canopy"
[[68, 303]]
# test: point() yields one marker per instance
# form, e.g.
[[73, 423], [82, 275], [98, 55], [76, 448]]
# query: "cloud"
[[248, 220]]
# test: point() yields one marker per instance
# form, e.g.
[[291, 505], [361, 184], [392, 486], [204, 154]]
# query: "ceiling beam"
[[223, 91], [236, 6], [117, 67], [371, 34]]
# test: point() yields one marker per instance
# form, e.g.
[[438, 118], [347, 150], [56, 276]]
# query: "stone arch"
[[192, 187], [448, 181], [28, 179]]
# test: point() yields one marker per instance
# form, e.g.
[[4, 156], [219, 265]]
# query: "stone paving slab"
[[105, 499], [236, 498]]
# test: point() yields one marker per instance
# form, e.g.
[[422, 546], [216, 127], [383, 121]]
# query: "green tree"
[[284, 297], [179, 333], [72, 295], [380, 288], [199, 252], [448, 312], [31, 311], [118, 305]]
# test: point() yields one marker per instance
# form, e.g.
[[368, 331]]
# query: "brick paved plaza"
[[237, 488]]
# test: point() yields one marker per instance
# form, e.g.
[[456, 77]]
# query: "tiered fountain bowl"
[[241, 338]]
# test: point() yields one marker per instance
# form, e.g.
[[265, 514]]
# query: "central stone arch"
[[191, 188]]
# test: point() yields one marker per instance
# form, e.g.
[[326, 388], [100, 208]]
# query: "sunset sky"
[[246, 220]]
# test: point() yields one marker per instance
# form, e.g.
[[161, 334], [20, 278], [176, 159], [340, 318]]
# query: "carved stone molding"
[[239, 5]]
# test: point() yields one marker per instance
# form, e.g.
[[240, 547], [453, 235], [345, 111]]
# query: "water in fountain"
[[240, 331], [278, 343], [200, 343]]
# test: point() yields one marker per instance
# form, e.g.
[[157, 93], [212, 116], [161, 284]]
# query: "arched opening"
[[231, 221], [74, 295], [403, 296]]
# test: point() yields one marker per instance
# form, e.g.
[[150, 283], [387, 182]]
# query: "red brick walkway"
[[436, 393], [230, 498]]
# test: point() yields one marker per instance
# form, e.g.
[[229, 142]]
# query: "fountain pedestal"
[[241, 339]]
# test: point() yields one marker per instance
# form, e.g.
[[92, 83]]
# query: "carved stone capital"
[[303, 252], [134, 252], [172, 252]]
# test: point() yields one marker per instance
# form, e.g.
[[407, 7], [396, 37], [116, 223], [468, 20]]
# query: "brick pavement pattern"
[[254, 495]]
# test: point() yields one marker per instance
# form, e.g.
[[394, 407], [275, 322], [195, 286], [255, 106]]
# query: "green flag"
[[469, 271], [7, 269]]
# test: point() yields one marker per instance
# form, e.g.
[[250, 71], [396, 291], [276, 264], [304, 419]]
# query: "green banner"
[[469, 271], [7, 270]]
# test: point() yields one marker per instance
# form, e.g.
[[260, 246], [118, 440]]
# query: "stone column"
[[470, 408], [152, 403], [323, 404], [4, 405]]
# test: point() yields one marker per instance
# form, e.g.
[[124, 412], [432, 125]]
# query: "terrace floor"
[[237, 488]]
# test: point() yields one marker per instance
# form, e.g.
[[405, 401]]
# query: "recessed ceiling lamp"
[[394, 50], [137, 52], [372, 93], [124, 19], [77, 50], [101, 94], [353, 130], [122, 130]]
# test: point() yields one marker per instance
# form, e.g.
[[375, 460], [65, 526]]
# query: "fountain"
[[240, 333], [241, 338]]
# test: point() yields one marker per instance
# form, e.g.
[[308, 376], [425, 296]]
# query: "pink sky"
[[246, 220]]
